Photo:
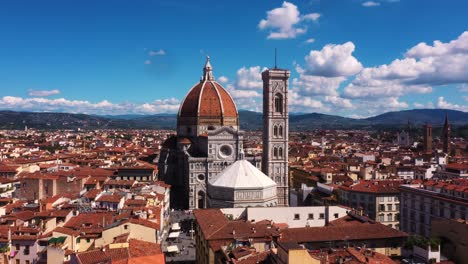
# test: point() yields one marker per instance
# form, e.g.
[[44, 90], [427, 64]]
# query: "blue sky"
[[348, 57]]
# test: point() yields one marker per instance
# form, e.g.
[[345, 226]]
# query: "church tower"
[[446, 135], [275, 130], [427, 138]]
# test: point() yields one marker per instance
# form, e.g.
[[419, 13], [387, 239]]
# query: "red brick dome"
[[208, 103]]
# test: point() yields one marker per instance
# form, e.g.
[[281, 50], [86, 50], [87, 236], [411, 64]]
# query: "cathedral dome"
[[208, 103]]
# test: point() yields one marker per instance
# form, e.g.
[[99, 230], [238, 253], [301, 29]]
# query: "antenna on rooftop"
[[276, 67]]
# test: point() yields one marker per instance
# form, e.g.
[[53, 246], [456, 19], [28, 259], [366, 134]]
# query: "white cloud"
[[418, 105], [311, 40], [442, 103], [333, 61], [457, 46], [311, 16], [298, 103], [374, 106], [309, 85], [147, 62], [158, 106], [157, 52], [463, 88], [249, 78], [370, 4], [238, 94], [223, 79], [339, 102], [284, 21], [43, 93], [246, 87], [422, 67], [84, 106]]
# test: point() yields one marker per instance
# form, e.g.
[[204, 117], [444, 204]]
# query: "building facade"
[[432, 200], [380, 200]]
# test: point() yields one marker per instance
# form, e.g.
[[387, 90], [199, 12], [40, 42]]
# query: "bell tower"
[[275, 130], [446, 135]]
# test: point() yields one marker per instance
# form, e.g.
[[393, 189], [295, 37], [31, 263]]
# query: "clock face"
[[225, 151]]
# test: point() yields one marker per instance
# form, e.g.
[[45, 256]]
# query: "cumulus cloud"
[[223, 79], [156, 52], [147, 62], [374, 106], [457, 46], [311, 40], [84, 106], [333, 61], [442, 103], [423, 67], [298, 103], [339, 102], [285, 21], [370, 4], [246, 87], [42, 93], [249, 78], [463, 88], [309, 85], [311, 16]]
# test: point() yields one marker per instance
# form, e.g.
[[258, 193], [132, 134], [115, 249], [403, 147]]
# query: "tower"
[[446, 135], [275, 130], [428, 138]]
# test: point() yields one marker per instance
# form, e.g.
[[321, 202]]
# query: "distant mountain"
[[124, 117], [421, 116], [248, 120]]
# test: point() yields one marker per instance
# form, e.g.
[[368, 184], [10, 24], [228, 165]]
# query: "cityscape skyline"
[[350, 58]]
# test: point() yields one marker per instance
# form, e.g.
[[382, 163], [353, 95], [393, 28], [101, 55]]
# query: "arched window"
[[275, 153], [280, 130], [275, 131], [278, 103], [280, 152]]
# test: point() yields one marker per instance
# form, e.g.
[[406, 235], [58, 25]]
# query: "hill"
[[248, 120], [420, 116]]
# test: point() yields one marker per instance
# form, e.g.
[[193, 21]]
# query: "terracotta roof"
[[378, 187], [139, 248], [347, 228], [210, 221], [154, 259], [457, 166], [93, 257], [6, 168], [90, 220], [144, 222], [117, 254], [110, 198], [218, 230], [91, 194]]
